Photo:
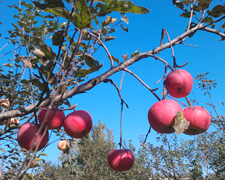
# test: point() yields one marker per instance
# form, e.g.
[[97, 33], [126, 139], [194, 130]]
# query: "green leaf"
[[58, 11], [123, 7], [57, 38], [50, 4], [90, 61], [179, 4], [217, 11], [38, 84], [181, 124], [82, 15], [108, 38], [186, 14], [208, 20], [114, 59], [135, 53], [84, 72], [125, 29], [44, 48], [186, 2], [204, 4]]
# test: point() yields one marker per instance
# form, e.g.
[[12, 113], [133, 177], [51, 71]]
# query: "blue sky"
[[103, 102]]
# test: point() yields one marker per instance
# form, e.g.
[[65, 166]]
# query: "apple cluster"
[[162, 114], [76, 124]]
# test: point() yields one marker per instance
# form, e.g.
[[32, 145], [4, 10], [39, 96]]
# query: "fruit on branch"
[[63, 145], [120, 159], [26, 135], [78, 124], [161, 115], [199, 119], [57, 119], [179, 83]]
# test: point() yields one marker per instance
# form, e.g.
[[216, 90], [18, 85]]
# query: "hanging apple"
[[120, 159], [78, 124], [57, 119], [161, 115], [179, 83]]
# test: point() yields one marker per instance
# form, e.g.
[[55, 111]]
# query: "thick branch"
[[93, 82]]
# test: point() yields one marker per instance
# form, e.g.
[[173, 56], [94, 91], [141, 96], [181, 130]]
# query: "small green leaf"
[[123, 7], [50, 4], [90, 61], [38, 84], [178, 4], [84, 72], [135, 53], [208, 20], [204, 4], [217, 11], [181, 124], [82, 15], [108, 38], [114, 59], [57, 38], [48, 52], [125, 29]]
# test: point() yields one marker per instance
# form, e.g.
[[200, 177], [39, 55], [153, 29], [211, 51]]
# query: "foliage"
[[88, 159], [55, 43]]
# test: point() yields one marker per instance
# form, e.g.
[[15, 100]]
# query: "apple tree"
[[54, 53]]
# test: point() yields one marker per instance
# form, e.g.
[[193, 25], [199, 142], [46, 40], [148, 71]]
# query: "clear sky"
[[103, 102]]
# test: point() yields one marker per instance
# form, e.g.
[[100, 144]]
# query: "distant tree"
[[87, 159]]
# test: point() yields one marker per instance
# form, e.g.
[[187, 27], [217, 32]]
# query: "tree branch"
[[93, 82]]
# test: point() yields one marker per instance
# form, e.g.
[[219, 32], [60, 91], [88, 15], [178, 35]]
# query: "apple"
[[57, 119], [78, 124], [26, 135], [120, 159], [161, 115], [63, 145], [199, 119], [179, 83]]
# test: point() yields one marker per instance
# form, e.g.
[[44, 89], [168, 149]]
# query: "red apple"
[[179, 83], [26, 135], [120, 159], [161, 115], [78, 124], [57, 119], [199, 119], [63, 145]]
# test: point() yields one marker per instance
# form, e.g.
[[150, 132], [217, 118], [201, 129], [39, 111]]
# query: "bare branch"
[[152, 90]]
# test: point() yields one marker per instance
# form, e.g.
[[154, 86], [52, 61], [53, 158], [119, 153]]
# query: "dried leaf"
[[181, 124]]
